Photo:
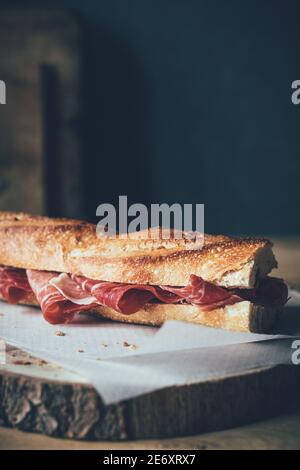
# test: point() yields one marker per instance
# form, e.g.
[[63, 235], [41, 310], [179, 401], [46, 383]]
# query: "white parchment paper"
[[123, 361]]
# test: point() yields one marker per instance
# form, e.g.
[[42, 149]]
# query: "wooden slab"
[[40, 397], [280, 433]]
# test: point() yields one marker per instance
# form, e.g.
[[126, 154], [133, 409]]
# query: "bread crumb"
[[60, 333], [127, 345], [41, 362]]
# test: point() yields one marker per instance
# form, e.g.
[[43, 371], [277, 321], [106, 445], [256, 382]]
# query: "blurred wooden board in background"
[[40, 161]]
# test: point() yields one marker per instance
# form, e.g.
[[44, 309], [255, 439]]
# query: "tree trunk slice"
[[40, 397]]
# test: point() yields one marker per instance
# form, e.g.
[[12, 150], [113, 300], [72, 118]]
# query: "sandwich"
[[65, 268]]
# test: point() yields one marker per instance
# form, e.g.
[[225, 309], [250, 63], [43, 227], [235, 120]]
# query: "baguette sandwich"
[[62, 266]]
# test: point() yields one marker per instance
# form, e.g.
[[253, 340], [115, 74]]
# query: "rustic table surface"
[[281, 432]]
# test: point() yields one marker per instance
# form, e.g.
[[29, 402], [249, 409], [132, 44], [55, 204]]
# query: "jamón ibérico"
[[62, 295]]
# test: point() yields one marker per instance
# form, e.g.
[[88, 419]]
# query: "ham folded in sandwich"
[[62, 266]]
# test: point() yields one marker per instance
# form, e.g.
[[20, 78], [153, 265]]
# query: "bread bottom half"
[[242, 316]]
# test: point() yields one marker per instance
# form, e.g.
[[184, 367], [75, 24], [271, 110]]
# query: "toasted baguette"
[[242, 316], [65, 245]]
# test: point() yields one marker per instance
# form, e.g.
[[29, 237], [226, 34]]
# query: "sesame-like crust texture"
[[66, 245]]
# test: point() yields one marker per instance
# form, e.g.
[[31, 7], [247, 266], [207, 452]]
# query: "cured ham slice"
[[270, 292], [62, 295], [129, 298], [206, 294], [124, 298], [14, 285], [71, 290], [56, 307]]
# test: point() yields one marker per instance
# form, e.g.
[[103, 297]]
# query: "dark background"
[[190, 101]]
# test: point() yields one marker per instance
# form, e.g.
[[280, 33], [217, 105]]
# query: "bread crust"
[[66, 245], [242, 316]]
